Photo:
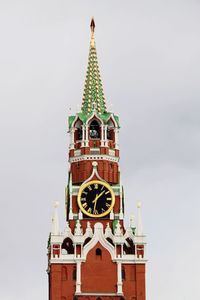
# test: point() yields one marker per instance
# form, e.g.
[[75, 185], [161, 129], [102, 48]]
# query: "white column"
[[116, 138], [70, 199], [72, 131], [83, 136], [55, 221], [105, 135], [78, 277], [102, 135], [121, 215], [86, 135], [119, 278]]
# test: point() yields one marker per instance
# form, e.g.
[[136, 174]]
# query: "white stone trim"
[[94, 157], [113, 119], [92, 116], [75, 190], [98, 237], [78, 277], [96, 294], [119, 278]]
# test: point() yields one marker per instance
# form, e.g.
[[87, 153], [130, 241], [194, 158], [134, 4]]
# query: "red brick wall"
[[99, 274]]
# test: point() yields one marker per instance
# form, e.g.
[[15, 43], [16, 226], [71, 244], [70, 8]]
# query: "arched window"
[[68, 246], [94, 130], [129, 247], [98, 253], [86, 241], [110, 130], [78, 132]]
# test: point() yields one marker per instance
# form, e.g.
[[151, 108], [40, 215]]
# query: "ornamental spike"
[[139, 228], [92, 26], [55, 221]]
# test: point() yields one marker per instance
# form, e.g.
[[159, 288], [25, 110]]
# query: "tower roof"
[[93, 96]]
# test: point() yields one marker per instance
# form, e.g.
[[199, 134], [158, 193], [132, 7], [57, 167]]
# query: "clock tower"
[[95, 257]]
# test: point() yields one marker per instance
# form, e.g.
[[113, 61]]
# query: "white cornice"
[[93, 157]]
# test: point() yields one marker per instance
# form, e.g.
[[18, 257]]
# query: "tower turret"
[[95, 257]]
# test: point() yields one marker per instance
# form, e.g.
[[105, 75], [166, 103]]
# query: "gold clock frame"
[[100, 183]]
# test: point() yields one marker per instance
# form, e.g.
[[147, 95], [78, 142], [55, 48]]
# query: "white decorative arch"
[[94, 115], [74, 122], [98, 237], [111, 117], [94, 173]]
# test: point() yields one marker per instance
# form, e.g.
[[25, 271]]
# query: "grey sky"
[[149, 60]]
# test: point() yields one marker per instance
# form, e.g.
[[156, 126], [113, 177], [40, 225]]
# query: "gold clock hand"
[[98, 196], [95, 200], [95, 203]]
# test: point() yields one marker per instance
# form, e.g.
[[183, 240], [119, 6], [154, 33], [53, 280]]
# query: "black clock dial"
[[96, 198]]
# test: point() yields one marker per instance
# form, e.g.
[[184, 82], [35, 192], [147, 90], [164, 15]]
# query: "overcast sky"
[[149, 57]]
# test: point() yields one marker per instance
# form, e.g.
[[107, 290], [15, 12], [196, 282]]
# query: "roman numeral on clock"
[[107, 205], [84, 205]]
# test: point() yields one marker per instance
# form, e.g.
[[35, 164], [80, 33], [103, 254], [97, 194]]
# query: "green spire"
[[93, 96]]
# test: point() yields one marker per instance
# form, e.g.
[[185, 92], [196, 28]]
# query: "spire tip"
[[92, 24]]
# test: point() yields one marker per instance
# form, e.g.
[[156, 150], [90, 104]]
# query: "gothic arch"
[[78, 130], [95, 129], [68, 246]]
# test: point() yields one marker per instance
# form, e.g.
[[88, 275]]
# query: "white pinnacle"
[[139, 228], [132, 223], [55, 221]]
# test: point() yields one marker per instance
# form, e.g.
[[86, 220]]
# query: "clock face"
[[96, 198]]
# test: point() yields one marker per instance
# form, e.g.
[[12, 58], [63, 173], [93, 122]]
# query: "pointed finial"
[[139, 228], [55, 221], [92, 26]]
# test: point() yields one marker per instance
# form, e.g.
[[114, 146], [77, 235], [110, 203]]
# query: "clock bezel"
[[85, 185]]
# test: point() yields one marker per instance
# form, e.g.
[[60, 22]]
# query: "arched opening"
[[78, 131], [94, 130], [98, 254], [68, 246], [110, 241], [111, 130], [129, 247], [86, 241], [98, 298]]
